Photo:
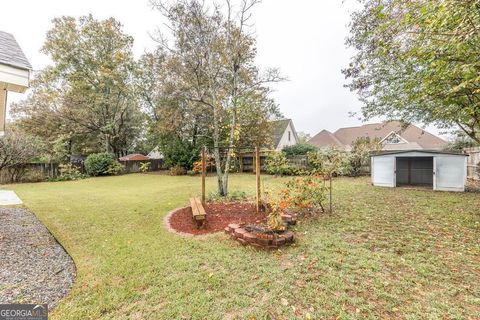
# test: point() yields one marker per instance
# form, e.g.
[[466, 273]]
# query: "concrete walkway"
[[9, 198]]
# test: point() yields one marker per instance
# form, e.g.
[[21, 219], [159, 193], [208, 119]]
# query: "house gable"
[[284, 134], [393, 138]]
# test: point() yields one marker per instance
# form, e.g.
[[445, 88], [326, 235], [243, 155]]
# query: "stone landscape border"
[[239, 233], [166, 221]]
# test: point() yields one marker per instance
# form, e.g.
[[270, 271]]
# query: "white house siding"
[[11, 79], [14, 79], [450, 170], [3, 106], [284, 141]]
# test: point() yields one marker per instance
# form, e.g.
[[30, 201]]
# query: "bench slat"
[[198, 211], [200, 207]]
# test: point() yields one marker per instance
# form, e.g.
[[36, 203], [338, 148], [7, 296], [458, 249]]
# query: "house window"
[[289, 136]]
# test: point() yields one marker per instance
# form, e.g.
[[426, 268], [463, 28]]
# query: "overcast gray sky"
[[304, 38]]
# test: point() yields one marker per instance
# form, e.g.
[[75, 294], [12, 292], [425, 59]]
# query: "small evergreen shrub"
[[299, 149], [98, 164]]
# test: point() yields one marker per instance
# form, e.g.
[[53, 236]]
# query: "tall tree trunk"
[[229, 155], [216, 152]]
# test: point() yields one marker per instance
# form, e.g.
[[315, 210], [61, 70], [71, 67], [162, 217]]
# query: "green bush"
[[330, 161], [32, 175], [68, 172], [144, 167], [362, 149], [115, 168], [277, 164], [181, 153], [234, 195], [178, 170], [299, 149], [98, 164]]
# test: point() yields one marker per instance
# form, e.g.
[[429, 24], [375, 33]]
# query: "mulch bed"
[[219, 216]]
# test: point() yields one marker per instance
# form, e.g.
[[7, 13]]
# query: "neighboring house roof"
[[134, 157], [325, 138], [155, 154], [402, 146], [11, 54], [279, 127], [415, 137]]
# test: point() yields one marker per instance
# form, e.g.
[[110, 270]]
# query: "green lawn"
[[384, 253]]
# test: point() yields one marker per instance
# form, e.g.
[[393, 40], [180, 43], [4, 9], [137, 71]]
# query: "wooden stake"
[[257, 174], [204, 173], [330, 193]]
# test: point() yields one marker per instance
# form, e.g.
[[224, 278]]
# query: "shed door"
[[382, 171], [415, 171], [450, 173]]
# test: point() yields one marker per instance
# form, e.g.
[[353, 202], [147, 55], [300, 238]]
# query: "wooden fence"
[[246, 162], [133, 166], [30, 172], [35, 172], [473, 163]]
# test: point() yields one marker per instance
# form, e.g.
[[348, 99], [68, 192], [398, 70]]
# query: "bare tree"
[[16, 150], [212, 57]]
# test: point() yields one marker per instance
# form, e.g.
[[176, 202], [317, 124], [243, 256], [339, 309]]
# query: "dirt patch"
[[219, 216]]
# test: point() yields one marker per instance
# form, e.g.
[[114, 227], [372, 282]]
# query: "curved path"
[[34, 267]]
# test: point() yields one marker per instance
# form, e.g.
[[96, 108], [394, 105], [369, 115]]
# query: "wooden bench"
[[198, 212]]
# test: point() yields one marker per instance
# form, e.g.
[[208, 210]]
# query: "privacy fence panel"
[[133, 166], [30, 172], [473, 163]]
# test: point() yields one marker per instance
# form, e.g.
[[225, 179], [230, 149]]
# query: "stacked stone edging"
[[247, 238]]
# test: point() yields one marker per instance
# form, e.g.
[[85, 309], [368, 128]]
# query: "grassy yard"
[[384, 253]]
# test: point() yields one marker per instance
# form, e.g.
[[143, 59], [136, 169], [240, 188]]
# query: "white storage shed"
[[438, 170]]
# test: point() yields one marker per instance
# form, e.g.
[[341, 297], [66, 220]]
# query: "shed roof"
[[382, 153], [134, 157], [11, 54]]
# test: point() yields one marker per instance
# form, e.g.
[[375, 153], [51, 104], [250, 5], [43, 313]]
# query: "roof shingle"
[[11, 54]]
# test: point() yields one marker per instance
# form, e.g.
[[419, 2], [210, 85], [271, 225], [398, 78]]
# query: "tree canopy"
[[86, 95], [418, 61]]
